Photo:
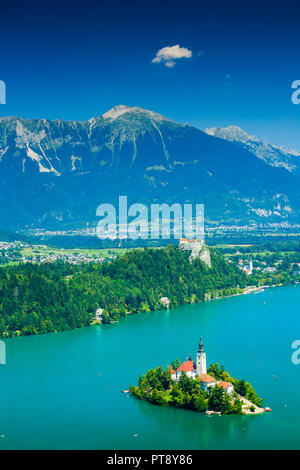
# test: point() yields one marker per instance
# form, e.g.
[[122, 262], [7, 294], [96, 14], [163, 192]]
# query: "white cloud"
[[168, 55]]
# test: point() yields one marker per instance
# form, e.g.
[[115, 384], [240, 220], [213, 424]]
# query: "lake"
[[63, 391]]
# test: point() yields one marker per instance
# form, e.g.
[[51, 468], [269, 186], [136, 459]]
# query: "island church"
[[199, 370]]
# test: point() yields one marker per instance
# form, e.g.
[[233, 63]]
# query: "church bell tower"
[[201, 360]]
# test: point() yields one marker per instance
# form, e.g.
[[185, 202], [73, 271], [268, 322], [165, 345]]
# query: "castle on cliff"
[[198, 249]]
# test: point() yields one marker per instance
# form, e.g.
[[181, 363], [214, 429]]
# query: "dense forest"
[[157, 387], [54, 297]]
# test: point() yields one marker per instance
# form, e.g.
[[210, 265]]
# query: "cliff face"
[[204, 255], [198, 250]]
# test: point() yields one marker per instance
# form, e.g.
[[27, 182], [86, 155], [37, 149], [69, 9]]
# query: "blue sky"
[[74, 60]]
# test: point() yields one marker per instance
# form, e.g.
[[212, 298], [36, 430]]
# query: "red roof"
[[187, 366], [206, 378], [225, 385], [172, 370]]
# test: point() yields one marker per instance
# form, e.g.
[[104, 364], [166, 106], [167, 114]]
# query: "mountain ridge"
[[274, 155], [56, 173]]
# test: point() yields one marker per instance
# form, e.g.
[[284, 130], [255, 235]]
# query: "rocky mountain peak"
[[121, 110]]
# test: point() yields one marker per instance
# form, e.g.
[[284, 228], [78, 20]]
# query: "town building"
[[226, 385], [98, 315], [247, 267], [269, 269], [206, 381], [189, 367], [165, 301]]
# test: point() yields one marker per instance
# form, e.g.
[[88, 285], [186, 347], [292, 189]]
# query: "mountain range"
[[54, 174], [273, 155]]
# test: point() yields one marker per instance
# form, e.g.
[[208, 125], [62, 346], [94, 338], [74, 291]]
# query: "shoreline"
[[251, 290], [247, 290]]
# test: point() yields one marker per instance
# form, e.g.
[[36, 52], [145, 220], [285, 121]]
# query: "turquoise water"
[[52, 396]]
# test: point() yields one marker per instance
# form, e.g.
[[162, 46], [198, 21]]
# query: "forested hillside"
[[55, 297]]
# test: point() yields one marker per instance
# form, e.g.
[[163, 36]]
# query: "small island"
[[194, 387]]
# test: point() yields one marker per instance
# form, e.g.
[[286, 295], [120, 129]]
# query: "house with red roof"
[[189, 367], [206, 381], [226, 385], [173, 373]]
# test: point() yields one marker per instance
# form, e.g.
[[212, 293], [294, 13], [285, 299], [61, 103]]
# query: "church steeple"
[[201, 359]]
